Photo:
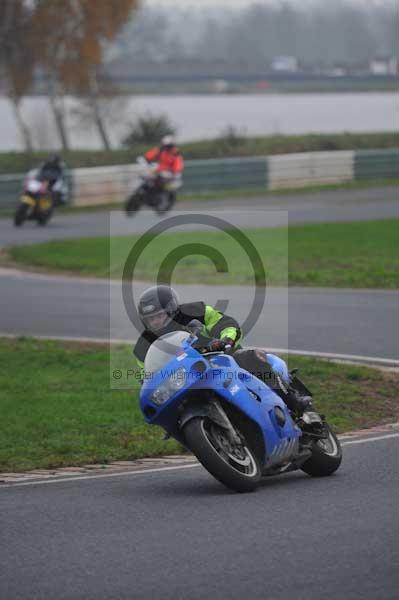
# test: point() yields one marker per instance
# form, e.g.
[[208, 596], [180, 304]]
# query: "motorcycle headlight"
[[170, 386]]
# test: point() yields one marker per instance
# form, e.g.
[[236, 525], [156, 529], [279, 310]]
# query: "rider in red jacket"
[[170, 165], [167, 156]]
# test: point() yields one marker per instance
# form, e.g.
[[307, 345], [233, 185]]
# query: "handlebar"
[[208, 350]]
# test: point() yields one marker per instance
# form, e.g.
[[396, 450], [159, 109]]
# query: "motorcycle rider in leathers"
[[53, 171], [160, 312], [170, 165]]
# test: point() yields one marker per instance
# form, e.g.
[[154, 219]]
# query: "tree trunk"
[[24, 129], [94, 103], [59, 116], [7, 19], [100, 123]]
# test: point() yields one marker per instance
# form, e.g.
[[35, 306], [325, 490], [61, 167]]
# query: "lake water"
[[205, 116]]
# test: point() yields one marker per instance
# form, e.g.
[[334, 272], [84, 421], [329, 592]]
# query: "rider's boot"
[[297, 402]]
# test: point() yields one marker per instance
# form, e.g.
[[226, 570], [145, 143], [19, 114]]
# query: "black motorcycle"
[[152, 191]]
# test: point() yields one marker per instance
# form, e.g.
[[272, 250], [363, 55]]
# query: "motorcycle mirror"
[[194, 326]]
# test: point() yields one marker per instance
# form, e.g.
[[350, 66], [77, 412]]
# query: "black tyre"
[[133, 204], [326, 456], [20, 214], [44, 216], [236, 467], [164, 204]]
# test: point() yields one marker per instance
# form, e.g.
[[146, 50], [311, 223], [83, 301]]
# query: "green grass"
[[20, 162], [287, 144], [57, 408], [358, 255]]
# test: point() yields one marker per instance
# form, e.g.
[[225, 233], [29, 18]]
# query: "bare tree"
[[54, 27], [16, 58], [72, 50]]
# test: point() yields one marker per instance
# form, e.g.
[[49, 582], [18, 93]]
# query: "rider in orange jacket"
[[170, 164], [167, 156]]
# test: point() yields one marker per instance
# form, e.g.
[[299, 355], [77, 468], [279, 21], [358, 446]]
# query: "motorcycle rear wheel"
[[237, 468], [326, 456]]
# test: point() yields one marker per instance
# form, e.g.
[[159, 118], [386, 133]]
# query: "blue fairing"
[[221, 374], [279, 367]]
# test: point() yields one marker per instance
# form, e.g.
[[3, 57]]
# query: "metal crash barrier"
[[111, 185]]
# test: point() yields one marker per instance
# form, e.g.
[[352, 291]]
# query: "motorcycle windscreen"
[[163, 350], [34, 186]]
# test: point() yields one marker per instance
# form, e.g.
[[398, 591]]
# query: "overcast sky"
[[244, 3]]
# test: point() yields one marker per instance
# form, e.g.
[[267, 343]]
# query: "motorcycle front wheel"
[[133, 204], [21, 214], [234, 466]]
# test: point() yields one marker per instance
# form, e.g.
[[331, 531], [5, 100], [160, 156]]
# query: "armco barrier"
[[225, 174], [103, 185], [107, 185], [10, 190], [98, 185], [312, 168], [376, 164]]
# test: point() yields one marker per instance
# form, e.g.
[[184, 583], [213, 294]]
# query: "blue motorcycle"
[[233, 422]]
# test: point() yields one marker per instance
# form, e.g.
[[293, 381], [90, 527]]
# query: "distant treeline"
[[324, 34]]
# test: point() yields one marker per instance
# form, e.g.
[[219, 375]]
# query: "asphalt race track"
[[358, 322], [180, 535], [315, 207]]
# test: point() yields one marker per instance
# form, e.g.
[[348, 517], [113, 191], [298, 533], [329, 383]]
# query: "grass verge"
[[354, 255], [57, 408], [20, 162]]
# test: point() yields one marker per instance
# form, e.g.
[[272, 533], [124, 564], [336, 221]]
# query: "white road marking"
[[163, 469], [371, 439], [63, 278], [334, 356], [369, 360], [67, 338]]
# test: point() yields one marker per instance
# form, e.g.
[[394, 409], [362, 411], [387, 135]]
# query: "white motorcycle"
[[38, 199]]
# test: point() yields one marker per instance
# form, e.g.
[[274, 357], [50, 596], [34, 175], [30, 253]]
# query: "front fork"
[[214, 412], [28, 200], [42, 203], [313, 426]]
